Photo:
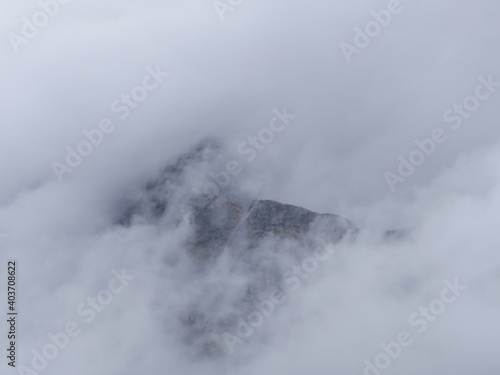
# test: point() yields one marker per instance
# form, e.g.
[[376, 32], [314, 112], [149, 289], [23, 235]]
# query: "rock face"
[[256, 237], [287, 221], [217, 219], [218, 223]]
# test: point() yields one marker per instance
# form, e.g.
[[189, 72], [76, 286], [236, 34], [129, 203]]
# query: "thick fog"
[[384, 112]]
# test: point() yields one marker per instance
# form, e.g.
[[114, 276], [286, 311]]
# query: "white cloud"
[[353, 121]]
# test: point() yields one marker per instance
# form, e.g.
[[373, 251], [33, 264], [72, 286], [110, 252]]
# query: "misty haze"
[[250, 187]]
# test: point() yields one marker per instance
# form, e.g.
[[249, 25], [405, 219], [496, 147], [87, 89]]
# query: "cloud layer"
[[226, 79]]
